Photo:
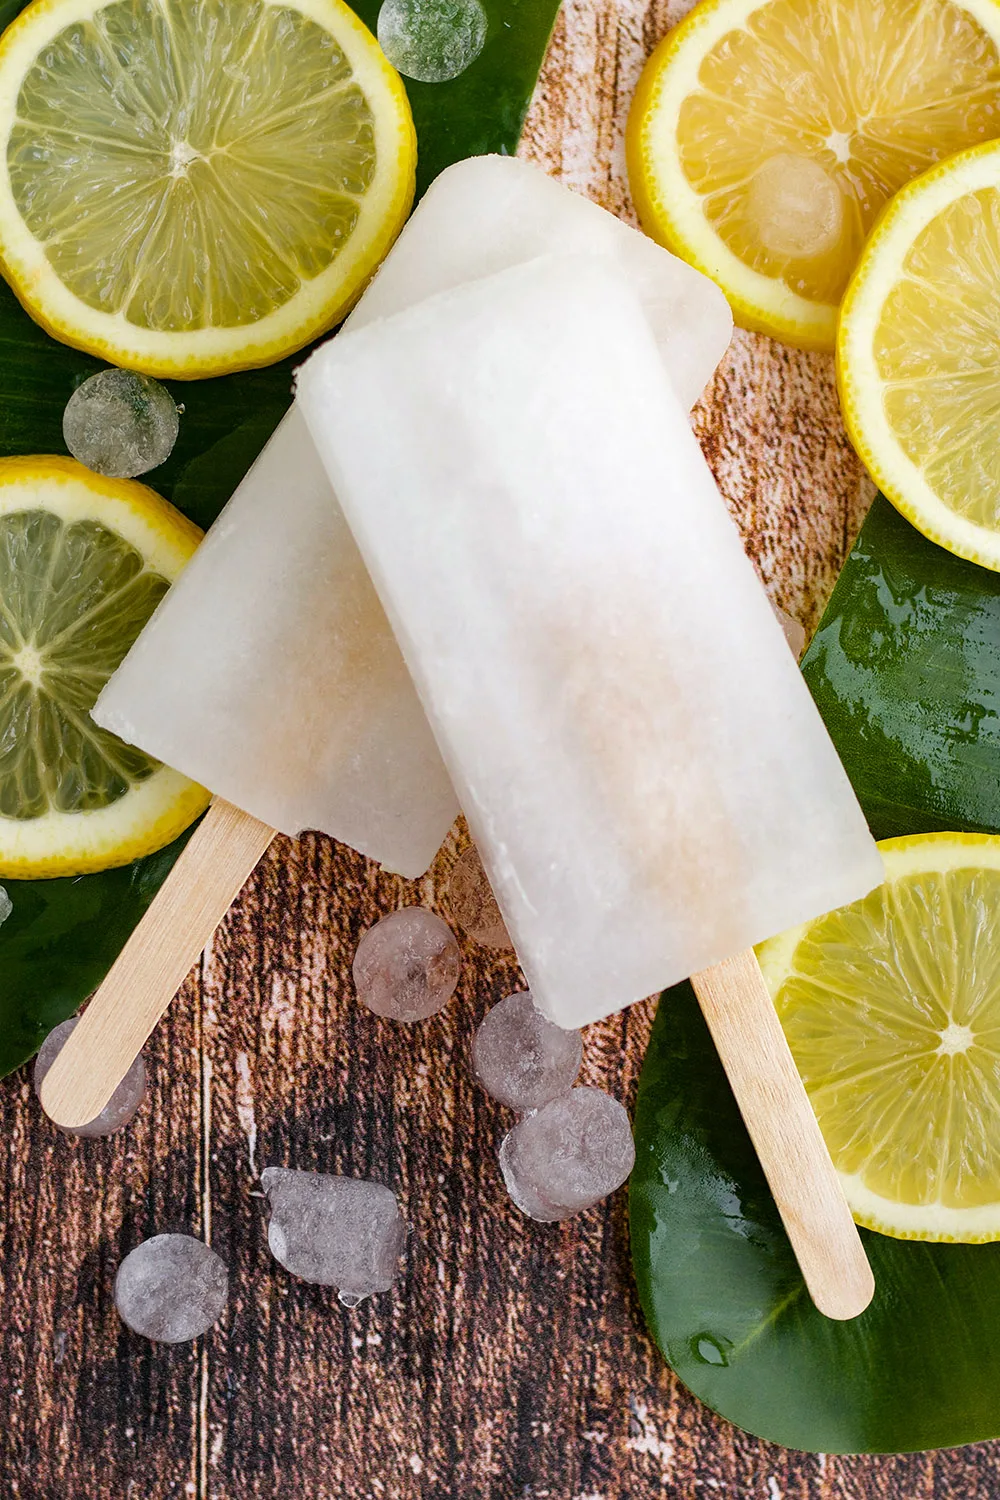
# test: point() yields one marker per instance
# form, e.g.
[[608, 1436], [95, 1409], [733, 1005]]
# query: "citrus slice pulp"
[[194, 186], [917, 354], [84, 560], [766, 135], [891, 1007]]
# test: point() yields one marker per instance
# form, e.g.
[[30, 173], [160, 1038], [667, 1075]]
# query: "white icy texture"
[[521, 1058], [171, 1288], [269, 673], [568, 1156], [406, 967], [337, 1231], [431, 40], [6, 905], [121, 423], [647, 779], [123, 1103], [493, 212]]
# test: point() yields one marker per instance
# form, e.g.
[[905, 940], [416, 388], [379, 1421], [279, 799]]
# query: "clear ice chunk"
[[123, 1103], [521, 1058], [6, 905], [171, 1288], [121, 423], [567, 1157], [407, 966], [472, 904], [795, 207], [432, 40], [335, 1231]]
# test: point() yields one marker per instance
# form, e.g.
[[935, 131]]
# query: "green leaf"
[[64, 935], [905, 668], [728, 1308]]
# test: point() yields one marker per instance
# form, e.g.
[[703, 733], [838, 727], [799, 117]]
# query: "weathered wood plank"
[[512, 1363]]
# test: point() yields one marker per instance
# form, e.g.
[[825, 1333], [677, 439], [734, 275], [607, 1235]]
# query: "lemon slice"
[[195, 186], [917, 354], [766, 135], [84, 560], [891, 1007]]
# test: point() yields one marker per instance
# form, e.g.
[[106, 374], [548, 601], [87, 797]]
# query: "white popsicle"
[[648, 781], [269, 673]]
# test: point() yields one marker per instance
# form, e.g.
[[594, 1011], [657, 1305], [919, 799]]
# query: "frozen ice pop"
[[645, 774], [270, 674], [646, 777]]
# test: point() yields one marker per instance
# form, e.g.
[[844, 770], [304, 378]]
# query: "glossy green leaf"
[[64, 934], [728, 1307], [905, 668]]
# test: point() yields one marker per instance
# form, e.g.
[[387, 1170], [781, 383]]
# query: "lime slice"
[[194, 186], [84, 561], [766, 135], [891, 1007]]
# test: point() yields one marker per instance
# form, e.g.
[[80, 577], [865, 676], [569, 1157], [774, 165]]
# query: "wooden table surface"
[[511, 1363]]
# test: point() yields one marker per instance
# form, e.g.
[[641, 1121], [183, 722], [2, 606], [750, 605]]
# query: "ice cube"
[[123, 1102], [171, 1288], [795, 207], [6, 905], [521, 1058], [567, 1157], [336, 1231], [407, 965], [120, 423], [795, 633], [432, 40], [472, 903]]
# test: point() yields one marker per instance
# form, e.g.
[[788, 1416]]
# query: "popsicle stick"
[[775, 1107], [152, 966]]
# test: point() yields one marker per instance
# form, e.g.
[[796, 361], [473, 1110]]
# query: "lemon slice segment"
[[766, 135], [84, 560], [195, 186], [917, 354], [891, 1007]]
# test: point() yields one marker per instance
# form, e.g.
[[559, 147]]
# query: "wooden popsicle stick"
[[210, 871], [775, 1106]]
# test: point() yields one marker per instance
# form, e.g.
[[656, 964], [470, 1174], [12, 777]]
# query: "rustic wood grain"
[[512, 1363]]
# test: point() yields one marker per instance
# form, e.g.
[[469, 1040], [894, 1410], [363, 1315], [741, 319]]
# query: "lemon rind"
[[157, 810], [668, 206], [155, 528], [198, 353], [876, 273], [912, 854]]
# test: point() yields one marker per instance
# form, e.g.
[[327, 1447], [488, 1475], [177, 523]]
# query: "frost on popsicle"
[[472, 903], [522, 1059], [123, 1103], [335, 1231], [568, 1156], [120, 423], [432, 40], [171, 1288], [407, 966]]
